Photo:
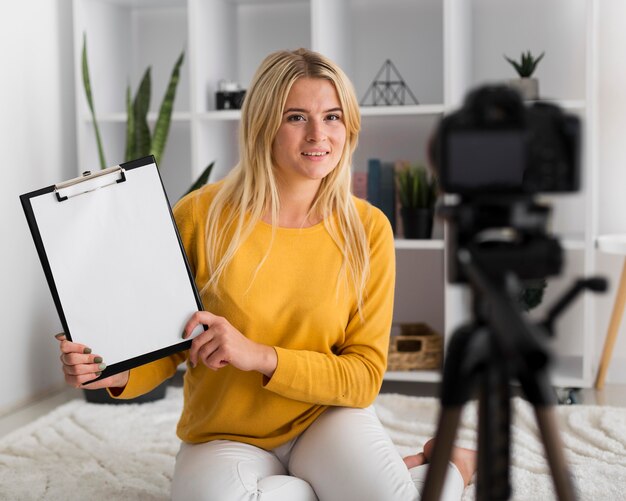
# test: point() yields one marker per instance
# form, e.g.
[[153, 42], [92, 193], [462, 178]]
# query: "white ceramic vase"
[[527, 87]]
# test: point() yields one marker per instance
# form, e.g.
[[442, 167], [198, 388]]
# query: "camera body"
[[495, 154], [495, 144]]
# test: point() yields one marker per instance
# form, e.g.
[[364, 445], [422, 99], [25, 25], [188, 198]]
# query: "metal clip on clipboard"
[[89, 182]]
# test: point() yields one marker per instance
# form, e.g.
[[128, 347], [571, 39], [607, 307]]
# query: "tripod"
[[499, 345]]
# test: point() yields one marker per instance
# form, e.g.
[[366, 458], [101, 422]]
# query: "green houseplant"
[[532, 292], [526, 84], [140, 141], [417, 191]]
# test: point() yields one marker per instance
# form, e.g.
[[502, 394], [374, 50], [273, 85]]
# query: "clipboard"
[[115, 264]]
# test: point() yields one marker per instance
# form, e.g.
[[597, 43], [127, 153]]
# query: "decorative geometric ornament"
[[388, 92]]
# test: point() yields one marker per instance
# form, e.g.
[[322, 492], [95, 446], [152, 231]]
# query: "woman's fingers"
[[87, 368], [212, 354], [74, 358], [199, 318], [80, 365]]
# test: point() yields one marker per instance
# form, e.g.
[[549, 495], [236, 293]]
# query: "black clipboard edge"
[[41, 252], [131, 363]]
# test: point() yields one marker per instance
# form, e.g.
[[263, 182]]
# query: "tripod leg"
[[447, 428], [546, 420], [494, 419], [459, 378]]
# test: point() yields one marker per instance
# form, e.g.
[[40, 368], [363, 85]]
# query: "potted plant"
[[417, 190], [526, 85], [140, 141]]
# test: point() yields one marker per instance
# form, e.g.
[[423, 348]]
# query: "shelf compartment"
[[512, 27], [568, 372], [239, 35], [146, 34], [407, 243], [419, 290], [410, 36]]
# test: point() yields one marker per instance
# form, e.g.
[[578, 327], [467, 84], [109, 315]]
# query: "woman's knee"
[[222, 471], [347, 454]]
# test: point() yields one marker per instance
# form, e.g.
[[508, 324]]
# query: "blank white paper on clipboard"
[[114, 262]]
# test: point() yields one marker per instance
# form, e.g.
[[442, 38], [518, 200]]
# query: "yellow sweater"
[[326, 355]]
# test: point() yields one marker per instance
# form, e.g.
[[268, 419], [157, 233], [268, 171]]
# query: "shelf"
[[403, 243], [146, 4], [177, 116], [420, 109], [571, 105], [572, 243], [441, 48], [567, 373], [220, 115], [414, 376]]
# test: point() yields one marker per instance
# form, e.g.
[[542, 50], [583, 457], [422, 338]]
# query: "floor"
[[612, 395]]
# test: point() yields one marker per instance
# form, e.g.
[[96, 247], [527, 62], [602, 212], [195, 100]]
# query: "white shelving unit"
[[442, 48]]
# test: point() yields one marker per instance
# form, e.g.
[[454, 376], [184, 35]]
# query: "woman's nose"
[[315, 131]]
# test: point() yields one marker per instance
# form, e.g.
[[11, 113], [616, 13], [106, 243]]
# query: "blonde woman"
[[297, 278]]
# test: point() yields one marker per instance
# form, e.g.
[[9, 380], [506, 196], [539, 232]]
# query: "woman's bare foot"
[[415, 460], [463, 459]]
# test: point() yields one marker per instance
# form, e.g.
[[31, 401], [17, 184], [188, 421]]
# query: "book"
[[388, 192], [374, 167], [359, 184]]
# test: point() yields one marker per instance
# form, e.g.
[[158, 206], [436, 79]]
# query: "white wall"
[[612, 161], [37, 144]]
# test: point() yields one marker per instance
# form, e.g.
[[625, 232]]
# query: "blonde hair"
[[250, 189]]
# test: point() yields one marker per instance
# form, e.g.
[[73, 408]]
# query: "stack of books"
[[377, 185]]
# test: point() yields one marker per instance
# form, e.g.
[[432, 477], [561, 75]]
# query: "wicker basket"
[[417, 347]]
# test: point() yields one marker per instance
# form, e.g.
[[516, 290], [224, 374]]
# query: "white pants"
[[344, 455]]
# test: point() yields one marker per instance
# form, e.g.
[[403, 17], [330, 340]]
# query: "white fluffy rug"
[[126, 452]]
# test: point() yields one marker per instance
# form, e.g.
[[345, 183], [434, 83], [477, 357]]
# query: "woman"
[[297, 278]]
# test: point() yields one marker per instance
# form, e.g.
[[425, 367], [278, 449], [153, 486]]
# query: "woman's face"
[[312, 133]]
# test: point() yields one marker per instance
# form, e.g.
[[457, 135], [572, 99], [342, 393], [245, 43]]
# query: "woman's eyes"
[[331, 117]]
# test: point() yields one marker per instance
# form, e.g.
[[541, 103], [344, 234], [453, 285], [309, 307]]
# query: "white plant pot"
[[527, 87]]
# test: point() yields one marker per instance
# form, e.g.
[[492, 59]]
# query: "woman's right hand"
[[81, 365]]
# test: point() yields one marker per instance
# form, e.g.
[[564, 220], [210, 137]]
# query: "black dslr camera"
[[496, 144], [495, 153]]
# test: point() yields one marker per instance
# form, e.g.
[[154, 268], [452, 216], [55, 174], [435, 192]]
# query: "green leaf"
[[526, 65], [532, 293], [416, 188], [87, 85], [162, 126], [130, 126], [140, 112], [202, 180]]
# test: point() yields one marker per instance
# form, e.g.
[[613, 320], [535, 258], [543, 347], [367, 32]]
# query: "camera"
[[497, 144], [229, 96], [495, 153]]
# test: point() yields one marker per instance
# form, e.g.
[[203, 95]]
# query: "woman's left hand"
[[221, 345]]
